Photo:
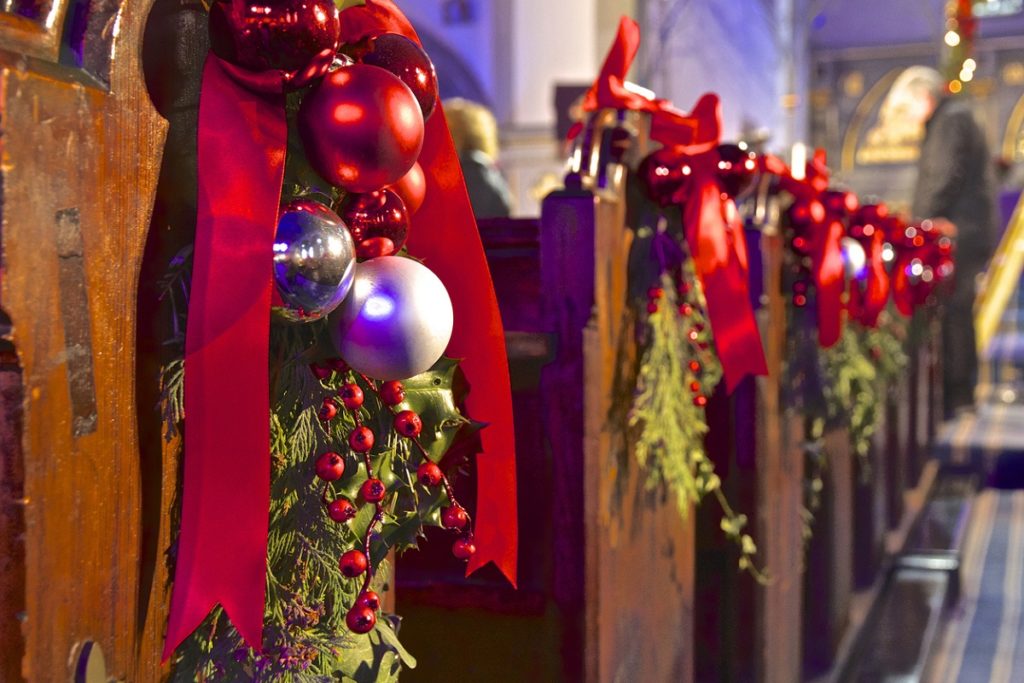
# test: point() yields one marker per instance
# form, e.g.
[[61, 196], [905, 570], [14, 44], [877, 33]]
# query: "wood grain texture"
[[71, 148]]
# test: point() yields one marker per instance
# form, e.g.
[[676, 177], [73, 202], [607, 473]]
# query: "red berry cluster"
[[330, 466], [686, 309]]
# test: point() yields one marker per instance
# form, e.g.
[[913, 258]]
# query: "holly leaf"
[[390, 638], [432, 395]]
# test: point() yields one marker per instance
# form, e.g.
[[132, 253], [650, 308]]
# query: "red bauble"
[[392, 393], [807, 212], [330, 466], [277, 43], [351, 396], [840, 202], [454, 517], [353, 563], [665, 175], [378, 222], [872, 214], [341, 510], [737, 168], [328, 409], [361, 439], [429, 474], [361, 619], [361, 127], [408, 424], [373, 490], [409, 62], [463, 548], [368, 599], [412, 188]]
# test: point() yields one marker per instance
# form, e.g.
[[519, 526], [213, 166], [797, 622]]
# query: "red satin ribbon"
[[865, 305], [444, 234], [710, 220], [222, 545]]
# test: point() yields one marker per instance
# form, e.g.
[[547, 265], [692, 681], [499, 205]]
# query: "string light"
[[952, 38]]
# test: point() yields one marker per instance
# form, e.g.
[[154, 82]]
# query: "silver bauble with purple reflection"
[[855, 259], [396, 322], [314, 260]]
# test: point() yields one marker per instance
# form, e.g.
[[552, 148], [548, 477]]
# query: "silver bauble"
[[314, 260], [397, 320], [855, 259]]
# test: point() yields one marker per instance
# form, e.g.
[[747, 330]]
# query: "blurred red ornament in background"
[[737, 168], [665, 175]]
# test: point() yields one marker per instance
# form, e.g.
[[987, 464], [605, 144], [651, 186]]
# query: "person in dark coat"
[[956, 191], [475, 134]]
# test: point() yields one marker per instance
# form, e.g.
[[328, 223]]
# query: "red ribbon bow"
[[867, 303], [710, 220], [222, 545]]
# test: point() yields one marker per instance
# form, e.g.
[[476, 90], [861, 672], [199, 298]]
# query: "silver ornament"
[[855, 259], [396, 322], [314, 260]]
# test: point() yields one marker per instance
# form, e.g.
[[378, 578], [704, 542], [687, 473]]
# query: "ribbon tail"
[[222, 546], [878, 285], [829, 276]]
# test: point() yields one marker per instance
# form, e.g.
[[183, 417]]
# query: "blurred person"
[[475, 132], [956, 191]]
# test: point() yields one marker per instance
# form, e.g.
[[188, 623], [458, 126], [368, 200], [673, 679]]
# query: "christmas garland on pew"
[[315, 440]]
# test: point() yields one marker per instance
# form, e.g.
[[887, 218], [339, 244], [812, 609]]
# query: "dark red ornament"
[[408, 424], [463, 548], [392, 393], [341, 510], [328, 410], [330, 466], [412, 188], [337, 364], [319, 371], [665, 175], [378, 222], [275, 44], [454, 517], [361, 127], [737, 168], [409, 62], [368, 599], [353, 563], [429, 474], [373, 490], [361, 439], [361, 619], [351, 396]]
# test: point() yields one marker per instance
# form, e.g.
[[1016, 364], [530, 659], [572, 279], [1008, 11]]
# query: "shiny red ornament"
[[412, 188], [665, 175], [378, 222], [270, 45], [737, 168], [373, 490], [463, 548], [351, 396], [341, 510], [409, 62], [392, 393], [360, 619], [807, 212], [353, 563], [429, 474], [408, 424], [330, 466], [361, 439], [454, 517], [328, 410], [368, 599], [361, 127]]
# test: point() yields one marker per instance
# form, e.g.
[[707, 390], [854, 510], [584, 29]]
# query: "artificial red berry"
[[408, 423], [353, 563], [351, 396], [321, 372], [694, 366], [692, 334], [373, 490], [429, 474], [463, 548], [361, 619], [655, 293], [454, 517], [695, 386], [330, 466], [392, 393], [685, 287], [700, 401], [368, 599], [328, 410], [341, 510], [686, 309], [336, 364], [361, 439], [652, 307]]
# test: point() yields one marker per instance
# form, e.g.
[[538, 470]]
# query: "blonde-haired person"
[[475, 132]]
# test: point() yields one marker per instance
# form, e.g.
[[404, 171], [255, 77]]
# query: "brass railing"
[[1001, 281]]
